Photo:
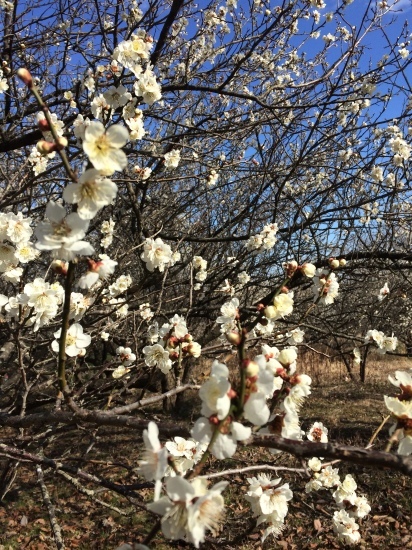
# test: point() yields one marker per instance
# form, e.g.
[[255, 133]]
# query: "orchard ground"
[[352, 412]]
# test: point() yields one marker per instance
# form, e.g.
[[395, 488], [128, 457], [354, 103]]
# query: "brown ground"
[[350, 410]]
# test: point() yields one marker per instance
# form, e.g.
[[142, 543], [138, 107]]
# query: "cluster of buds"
[[334, 263], [291, 267], [187, 344]]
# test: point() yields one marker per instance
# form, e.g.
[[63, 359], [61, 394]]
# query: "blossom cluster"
[[351, 505], [158, 255], [15, 245], [384, 343], [265, 240], [269, 502], [189, 508], [200, 264], [169, 343], [325, 286]]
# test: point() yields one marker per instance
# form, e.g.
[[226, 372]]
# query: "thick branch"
[[355, 455]]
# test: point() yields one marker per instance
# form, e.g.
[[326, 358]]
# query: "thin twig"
[[57, 533]]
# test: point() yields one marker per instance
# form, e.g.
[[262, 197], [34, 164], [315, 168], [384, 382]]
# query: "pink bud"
[[26, 77], [43, 125]]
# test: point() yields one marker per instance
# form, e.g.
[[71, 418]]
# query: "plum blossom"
[[282, 307], [76, 340], [345, 527], [172, 158], [318, 432], [153, 464], [103, 147], [156, 355], [214, 393], [147, 87], [44, 298], [126, 356], [265, 240], [62, 234], [229, 312], [295, 336], [92, 193], [157, 255], [101, 269], [269, 501], [117, 97], [326, 287], [225, 443], [189, 509], [384, 291]]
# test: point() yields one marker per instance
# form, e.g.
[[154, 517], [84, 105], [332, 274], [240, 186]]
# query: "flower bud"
[[59, 267], [26, 77], [270, 312], [342, 262], [308, 269], [287, 356], [43, 125], [173, 342], [45, 147], [290, 268], [334, 263], [252, 369], [61, 143], [233, 337]]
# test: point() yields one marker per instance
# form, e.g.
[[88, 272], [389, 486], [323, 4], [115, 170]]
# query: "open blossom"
[[156, 355], [401, 409], [384, 343], [78, 305], [157, 254], [346, 491], [384, 291], [153, 464], [103, 147], [225, 443], [44, 298], [318, 432], [295, 336], [126, 356], [147, 87], [62, 234], [172, 158], [117, 97], [265, 240], [269, 501], [120, 285], [214, 392], [7, 256], [199, 263], [345, 527], [15, 227], [92, 193], [189, 509], [326, 287], [230, 312], [131, 53], [76, 341], [97, 270]]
